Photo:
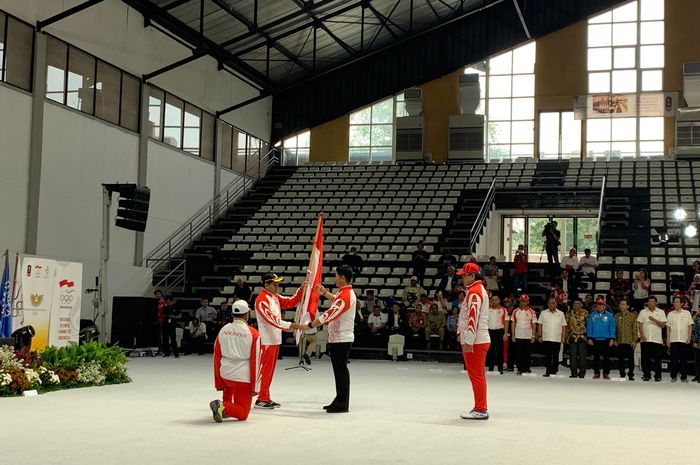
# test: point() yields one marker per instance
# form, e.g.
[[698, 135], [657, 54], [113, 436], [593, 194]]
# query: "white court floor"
[[401, 413]]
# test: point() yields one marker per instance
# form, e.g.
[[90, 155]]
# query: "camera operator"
[[552, 235]]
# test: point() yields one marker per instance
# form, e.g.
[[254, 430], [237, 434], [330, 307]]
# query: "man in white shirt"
[[551, 331], [340, 319], [650, 322], [197, 332], [523, 333], [206, 314], [679, 329], [588, 263], [570, 262], [236, 366], [369, 303], [497, 321], [377, 323]]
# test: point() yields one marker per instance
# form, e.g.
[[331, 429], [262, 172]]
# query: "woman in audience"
[[692, 271], [442, 303], [640, 288], [694, 294]]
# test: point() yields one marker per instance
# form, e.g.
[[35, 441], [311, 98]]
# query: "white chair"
[[622, 260], [396, 345], [604, 275], [640, 261]]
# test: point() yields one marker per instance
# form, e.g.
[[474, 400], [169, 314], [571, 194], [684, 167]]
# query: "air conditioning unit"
[[688, 119], [466, 131], [409, 129]]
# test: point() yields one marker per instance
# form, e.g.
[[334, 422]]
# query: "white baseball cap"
[[240, 307]]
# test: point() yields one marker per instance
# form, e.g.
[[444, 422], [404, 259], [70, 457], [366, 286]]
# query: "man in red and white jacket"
[[268, 311], [473, 331], [340, 319], [523, 333], [236, 366]]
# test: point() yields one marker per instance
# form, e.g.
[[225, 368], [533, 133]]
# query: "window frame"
[[5, 18]]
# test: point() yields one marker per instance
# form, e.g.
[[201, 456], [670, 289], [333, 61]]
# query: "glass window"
[[56, 65], [372, 132], [295, 149], [172, 127], [155, 113], [226, 144], [81, 81], [240, 159], [130, 99], [208, 136], [107, 99], [19, 52], [191, 131], [636, 30]]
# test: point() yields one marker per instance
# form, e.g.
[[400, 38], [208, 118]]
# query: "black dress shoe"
[[336, 410], [331, 405], [307, 359]]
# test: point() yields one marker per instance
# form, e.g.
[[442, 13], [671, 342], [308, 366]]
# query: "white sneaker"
[[475, 415]]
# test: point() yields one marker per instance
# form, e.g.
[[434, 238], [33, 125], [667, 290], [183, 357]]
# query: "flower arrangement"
[[90, 364]]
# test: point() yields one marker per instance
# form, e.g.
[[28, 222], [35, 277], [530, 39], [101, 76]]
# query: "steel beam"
[[243, 104], [522, 20], [301, 4], [195, 56], [65, 14]]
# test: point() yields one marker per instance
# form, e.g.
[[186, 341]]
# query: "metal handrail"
[[180, 277], [600, 212], [485, 210], [210, 212]]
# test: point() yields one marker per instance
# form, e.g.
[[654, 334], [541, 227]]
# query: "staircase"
[[458, 231], [550, 173], [624, 229]]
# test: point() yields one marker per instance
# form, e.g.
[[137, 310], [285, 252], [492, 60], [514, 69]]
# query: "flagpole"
[[15, 291], [297, 318]]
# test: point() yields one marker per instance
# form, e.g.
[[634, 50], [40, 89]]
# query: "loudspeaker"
[[132, 212], [134, 322]]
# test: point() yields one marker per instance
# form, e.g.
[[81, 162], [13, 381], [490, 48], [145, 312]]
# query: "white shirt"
[[639, 291], [679, 323], [340, 318], [238, 347], [569, 261], [473, 323], [375, 321], [651, 330], [496, 317], [199, 330], [524, 319], [553, 324], [588, 264]]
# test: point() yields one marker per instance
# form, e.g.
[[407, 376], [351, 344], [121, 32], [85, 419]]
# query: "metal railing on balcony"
[[167, 258]]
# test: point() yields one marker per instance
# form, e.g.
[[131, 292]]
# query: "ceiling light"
[[680, 214], [691, 231]]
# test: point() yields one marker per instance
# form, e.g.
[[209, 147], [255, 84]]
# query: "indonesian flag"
[[314, 276]]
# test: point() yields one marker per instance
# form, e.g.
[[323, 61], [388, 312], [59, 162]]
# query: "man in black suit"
[[448, 281], [567, 283], [397, 322]]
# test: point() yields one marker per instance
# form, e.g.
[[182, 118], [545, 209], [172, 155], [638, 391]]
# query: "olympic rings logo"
[[66, 299]]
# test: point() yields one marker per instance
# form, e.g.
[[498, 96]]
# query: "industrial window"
[[16, 52], [240, 152], [625, 65], [371, 132], [79, 80], [295, 149]]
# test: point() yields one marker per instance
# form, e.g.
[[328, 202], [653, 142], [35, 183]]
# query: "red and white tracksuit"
[[473, 329], [340, 318], [268, 310], [237, 367]]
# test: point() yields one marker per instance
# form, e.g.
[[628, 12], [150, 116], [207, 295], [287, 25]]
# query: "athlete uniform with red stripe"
[[473, 329], [237, 367], [340, 319], [268, 310]]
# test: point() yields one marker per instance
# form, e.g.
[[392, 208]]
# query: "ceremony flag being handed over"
[[314, 275]]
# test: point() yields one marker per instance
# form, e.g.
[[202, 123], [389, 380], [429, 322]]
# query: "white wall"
[[180, 185], [227, 177], [114, 32], [15, 121]]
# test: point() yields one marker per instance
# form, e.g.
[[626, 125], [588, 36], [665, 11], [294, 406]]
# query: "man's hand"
[[589, 342], [467, 348], [320, 289], [644, 339], [505, 337], [304, 284], [611, 343], [634, 345], [696, 345], [253, 393]]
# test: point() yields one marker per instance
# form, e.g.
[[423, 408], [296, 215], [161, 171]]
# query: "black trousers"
[[679, 360], [552, 250], [652, 351], [419, 272], [523, 353], [169, 339], [696, 352], [511, 355], [551, 356], [495, 354], [339, 352], [195, 344], [601, 349], [625, 360]]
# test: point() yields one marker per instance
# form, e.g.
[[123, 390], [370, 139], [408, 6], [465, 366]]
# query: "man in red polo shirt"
[[473, 331], [268, 310]]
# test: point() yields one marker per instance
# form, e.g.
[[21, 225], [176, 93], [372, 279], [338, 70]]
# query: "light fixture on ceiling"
[[690, 231], [680, 214]]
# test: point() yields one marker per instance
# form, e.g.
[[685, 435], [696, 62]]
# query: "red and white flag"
[[314, 276]]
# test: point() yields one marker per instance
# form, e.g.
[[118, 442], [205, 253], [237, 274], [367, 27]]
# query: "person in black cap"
[[268, 309]]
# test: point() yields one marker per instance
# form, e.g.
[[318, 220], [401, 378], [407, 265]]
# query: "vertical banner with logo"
[[65, 311], [38, 281]]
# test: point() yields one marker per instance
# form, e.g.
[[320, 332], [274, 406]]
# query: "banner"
[[65, 308], [645, 104], [38, 280]]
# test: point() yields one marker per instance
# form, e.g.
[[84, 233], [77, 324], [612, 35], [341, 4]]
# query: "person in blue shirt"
[[600, 330]]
